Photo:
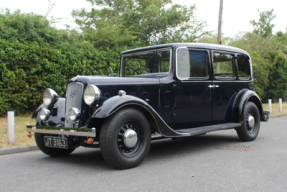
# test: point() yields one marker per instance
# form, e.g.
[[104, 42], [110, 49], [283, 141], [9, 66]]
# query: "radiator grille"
[[74, 98]]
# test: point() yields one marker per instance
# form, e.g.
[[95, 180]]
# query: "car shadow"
[[168, 147], [89, 158]]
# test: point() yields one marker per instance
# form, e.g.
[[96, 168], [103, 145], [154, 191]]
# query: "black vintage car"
[[170, 90]]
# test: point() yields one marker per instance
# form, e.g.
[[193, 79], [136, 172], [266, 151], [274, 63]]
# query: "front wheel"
[[251, 123], [125, 138]]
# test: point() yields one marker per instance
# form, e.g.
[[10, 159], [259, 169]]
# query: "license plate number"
[[55, 142]]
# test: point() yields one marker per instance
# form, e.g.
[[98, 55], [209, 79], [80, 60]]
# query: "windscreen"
[[148, 63]]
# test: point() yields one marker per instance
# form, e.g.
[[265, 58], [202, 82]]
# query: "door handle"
[[213, 86]]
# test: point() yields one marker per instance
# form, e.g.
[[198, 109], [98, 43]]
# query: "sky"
[[236, 14]]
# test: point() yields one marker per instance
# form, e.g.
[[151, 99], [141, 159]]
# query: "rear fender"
[[244, 96]]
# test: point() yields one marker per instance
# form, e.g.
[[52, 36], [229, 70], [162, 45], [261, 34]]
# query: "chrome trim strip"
[[80, 132], [216, 81], [131, 78]]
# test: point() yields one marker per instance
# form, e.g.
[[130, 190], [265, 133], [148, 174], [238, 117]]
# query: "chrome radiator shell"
[[74, 98]]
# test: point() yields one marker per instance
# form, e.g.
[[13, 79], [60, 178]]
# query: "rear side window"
[[223, 65], [192, 64], [243, 67]]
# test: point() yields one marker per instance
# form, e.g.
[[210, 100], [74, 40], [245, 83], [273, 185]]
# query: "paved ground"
[[195, 164]]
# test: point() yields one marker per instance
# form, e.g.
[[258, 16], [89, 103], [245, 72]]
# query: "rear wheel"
[[53, 152], [251, 123], [125, 138]]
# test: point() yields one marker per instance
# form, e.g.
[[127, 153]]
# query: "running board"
[[205, 129]]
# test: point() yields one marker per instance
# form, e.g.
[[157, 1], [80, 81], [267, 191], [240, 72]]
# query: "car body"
[[171, 90]]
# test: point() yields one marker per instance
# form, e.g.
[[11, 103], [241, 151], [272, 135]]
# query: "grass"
[[20, 131], [275, 108], [21, 122]]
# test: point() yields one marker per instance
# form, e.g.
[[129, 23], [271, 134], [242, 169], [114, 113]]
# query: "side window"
[[192, 64], [164, 60], [243, 67], [223, 65], [164, 65]]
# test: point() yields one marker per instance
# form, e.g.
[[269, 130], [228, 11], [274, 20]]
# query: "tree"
[[34, 56], [23, 51], [278, 73], [212, 38], [269, 60], [264, 27], [148, 21], [268, 53], [117, 25], [278, 77], [260, 50]]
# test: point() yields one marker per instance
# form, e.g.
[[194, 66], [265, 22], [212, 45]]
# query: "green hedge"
[[34, 56]]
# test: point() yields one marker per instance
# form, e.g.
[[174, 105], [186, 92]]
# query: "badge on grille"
[[73, 93]]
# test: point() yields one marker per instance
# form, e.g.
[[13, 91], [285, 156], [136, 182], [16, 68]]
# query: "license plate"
[[56, 142]]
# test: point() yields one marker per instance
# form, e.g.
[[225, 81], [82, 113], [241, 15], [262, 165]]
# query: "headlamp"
[[44, 114], [91, 94], [49, 96], [74, 114]]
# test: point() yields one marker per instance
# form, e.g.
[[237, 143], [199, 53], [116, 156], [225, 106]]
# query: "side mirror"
[[110, 71]]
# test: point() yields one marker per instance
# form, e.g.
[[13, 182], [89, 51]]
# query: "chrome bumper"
[[80, 132]]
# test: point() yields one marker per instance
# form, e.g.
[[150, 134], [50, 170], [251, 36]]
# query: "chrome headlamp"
[[74, 114], [91, 94], [49, 96], [44, 114]]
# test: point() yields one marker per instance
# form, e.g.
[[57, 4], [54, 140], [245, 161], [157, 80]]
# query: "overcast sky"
[[236, 14]]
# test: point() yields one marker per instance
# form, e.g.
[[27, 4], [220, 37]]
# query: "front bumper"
[[79, 132]]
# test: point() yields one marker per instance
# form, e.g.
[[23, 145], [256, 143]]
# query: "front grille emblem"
[[73, 93]]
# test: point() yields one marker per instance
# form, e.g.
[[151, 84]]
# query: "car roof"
[[191, 45]]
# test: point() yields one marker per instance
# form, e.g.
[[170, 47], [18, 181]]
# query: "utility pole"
[[220, 22]]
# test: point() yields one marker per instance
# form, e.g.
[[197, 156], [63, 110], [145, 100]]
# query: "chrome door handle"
[[212, 86]]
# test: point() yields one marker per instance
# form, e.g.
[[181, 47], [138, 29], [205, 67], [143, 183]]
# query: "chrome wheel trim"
[[250, 122], [129, 139]]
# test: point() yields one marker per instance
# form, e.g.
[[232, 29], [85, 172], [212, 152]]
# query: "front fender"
[[241, 99], [113, 104], [57, 117]]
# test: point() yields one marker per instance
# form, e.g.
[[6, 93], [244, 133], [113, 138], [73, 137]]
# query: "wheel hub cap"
[[130, 138], [250, 121]]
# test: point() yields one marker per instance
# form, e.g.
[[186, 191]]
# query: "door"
[[224, 86], [192, 93]]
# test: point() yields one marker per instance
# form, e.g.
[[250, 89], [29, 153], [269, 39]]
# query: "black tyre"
[[53, 152], [125, 138], [251, 123]]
